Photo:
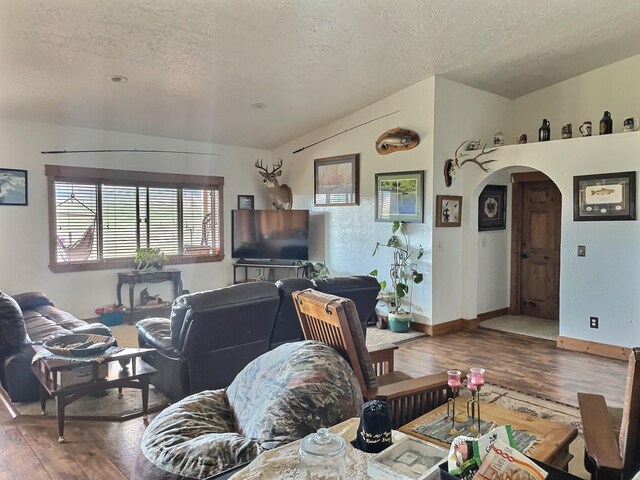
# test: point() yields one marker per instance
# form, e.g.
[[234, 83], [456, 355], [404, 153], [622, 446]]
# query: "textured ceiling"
[[196, 66]]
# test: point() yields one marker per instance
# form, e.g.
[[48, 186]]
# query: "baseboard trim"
[[452, 326], [501, 312], [594, 348]]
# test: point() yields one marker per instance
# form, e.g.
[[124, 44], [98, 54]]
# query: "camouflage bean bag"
[[279, 397]]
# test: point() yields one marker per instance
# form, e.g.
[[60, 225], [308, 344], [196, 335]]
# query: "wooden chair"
[[607, 453], [334, 320]]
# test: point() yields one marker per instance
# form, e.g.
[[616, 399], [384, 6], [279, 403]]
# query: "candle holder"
[[453, 380], [476, 380], [471, 407]]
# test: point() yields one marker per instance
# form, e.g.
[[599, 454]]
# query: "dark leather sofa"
[[210, 337], [361, 289], [26, 318]]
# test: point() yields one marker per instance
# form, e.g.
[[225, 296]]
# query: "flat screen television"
[[270, 234]]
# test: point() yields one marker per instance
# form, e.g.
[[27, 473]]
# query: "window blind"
[[102, 222]]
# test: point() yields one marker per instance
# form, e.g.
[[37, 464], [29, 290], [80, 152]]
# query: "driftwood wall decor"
[[395, 140]]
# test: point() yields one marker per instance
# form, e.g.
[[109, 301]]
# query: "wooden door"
[[536, 248]]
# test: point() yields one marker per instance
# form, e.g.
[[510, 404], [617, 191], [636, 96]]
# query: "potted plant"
[[147, 258], [403, 273]]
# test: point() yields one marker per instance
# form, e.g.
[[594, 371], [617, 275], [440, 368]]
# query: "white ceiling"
[[196, 66]]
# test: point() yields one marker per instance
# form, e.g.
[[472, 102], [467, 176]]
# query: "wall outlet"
[[593, 322]]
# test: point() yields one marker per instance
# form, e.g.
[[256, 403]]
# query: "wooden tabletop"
[[553, 438]]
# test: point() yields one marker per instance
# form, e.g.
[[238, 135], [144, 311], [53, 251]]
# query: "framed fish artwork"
[[606, 196]]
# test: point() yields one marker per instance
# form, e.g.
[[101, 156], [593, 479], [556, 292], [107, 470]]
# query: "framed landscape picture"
[[606, 196], [448, 211], [400, 197], [336, 180], [13, 187], [492, 208]]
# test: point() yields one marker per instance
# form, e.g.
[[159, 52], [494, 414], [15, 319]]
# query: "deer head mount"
[[452, 165], [280, 195]]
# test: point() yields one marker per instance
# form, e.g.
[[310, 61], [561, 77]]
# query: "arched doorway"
[[530, 261]]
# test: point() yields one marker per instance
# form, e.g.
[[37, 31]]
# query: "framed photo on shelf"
[[492, 208], [448, 211], [400, 197], [605, 196], [336, 180], [13, 187], [245, 202]]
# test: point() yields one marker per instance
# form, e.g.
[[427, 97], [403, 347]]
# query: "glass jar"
[[323, 456]]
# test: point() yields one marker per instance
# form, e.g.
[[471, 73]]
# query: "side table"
[[150, 276], [125, 369]]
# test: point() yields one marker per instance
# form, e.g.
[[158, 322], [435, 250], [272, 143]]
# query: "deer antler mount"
[[460, 158], [280, 195]]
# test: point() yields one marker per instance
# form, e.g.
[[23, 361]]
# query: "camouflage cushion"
[[292, 391], [280, 397]]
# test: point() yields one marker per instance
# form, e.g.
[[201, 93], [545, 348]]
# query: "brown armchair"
[[334, 321], [612, 449]]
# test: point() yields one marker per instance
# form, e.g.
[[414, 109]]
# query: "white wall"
[[585, 97], [605, 282], [347, 235], [24, 245], [463, 113]]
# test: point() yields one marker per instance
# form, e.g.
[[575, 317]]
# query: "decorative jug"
[[606, 124], [544, 132]]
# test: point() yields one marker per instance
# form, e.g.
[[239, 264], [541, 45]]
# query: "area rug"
[[108, 407], [546, 409], [524, 325], [376, 336]]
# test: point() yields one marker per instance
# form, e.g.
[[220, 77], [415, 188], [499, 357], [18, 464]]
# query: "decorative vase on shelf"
[[498, 138], [399, 321], [544, 132], [606, 124]]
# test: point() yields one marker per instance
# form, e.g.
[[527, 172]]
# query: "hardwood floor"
[[106, 450]]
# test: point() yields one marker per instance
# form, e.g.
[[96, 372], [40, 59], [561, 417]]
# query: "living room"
[[467, 273]]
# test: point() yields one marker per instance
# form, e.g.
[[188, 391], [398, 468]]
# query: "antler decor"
[[459, 159]]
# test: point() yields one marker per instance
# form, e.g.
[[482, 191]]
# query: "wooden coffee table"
[[553, 438], [124, 369]]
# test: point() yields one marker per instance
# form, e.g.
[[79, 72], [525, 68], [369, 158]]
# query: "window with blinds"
[[100, 217]]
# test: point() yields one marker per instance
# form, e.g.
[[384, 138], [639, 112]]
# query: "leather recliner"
[[361, 289], [210, 337], [29, 318]]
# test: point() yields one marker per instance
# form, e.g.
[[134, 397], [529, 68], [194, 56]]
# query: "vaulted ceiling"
[[195, 67]]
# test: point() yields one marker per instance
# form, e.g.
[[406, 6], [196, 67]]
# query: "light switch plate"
[[582, 250]]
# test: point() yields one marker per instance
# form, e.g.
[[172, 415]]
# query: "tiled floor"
[[524, 325]]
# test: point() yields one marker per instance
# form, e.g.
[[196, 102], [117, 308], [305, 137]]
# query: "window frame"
[[98, 176]]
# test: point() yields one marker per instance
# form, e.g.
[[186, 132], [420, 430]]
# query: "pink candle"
[[477, 377], [453, 378], [470, 386]]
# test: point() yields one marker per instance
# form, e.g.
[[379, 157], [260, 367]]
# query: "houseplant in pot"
[[403, 273]]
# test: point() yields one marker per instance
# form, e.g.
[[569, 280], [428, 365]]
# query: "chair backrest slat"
[[334, 320]]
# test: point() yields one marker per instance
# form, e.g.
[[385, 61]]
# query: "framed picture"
[[492, 208], [607, 196], [13, 187], [400, 197], [448, 211], [336, 180], [245, 202]]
